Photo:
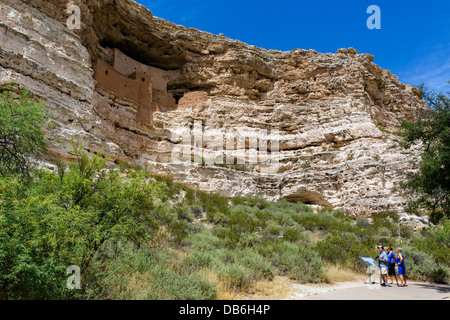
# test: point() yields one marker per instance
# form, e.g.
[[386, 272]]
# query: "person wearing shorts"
[[383, 261], [391, 265]]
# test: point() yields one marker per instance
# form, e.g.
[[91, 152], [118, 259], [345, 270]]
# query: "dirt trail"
[[362, 291], [282, 288]]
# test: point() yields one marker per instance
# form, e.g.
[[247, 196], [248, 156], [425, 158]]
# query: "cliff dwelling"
[[129, 79], [144, 85]]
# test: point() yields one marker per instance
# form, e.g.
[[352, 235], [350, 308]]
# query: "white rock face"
[[333, 113]]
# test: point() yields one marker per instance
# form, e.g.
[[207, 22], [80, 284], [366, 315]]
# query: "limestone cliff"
[[126, 81]]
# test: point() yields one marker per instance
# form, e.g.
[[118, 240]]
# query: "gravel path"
[[364, 291]]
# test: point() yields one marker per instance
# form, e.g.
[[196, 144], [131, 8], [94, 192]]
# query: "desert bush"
[[345, 248], [21, 137], [258, 266], [235, 277], [362, 222], [436, 242], [384, 232], [212, 204], [153, 274], [406, 232], [198, 260], [196, 211], [58, 221], [421, 266], [249, 201], [204, 241], [250, 240], [384, 221], [294, 234], [300, 263], [272, 229], [323, 221]]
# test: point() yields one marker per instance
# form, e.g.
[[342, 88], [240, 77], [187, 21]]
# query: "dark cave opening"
[[161, 58], [308, 197]]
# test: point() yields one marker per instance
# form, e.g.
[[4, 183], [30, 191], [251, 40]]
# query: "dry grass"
[[137, 287], [336, 273], [181, 253], [223, 290], [316, 236], [278, 289]]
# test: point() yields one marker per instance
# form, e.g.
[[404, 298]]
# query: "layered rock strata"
[[126, 83]]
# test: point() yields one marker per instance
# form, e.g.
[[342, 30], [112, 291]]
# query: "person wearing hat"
[[383, 262]]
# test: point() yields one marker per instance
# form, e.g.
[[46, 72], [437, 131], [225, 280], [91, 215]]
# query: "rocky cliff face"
[[333, 114]]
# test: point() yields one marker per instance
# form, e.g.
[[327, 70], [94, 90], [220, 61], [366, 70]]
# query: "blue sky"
[[413, 43]]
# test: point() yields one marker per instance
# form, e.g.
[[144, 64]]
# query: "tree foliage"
[[21, 137], [431, 184], [54, 221]]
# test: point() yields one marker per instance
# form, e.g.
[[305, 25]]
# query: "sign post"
[[372, 267]]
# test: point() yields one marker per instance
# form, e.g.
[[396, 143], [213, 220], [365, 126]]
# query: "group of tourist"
[[387, 262]]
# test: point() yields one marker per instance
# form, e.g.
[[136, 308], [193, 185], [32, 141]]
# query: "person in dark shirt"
[[391, 265]]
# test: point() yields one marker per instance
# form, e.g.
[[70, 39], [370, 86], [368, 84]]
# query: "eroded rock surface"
[[334, 112]]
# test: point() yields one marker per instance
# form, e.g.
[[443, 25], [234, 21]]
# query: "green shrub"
[[362, 222], [421, 266], [179, 230], [300, 263], [345, 248], [235, 277], [169, 285], [198, 260], [58, 221], [196, 211], [212, 204], [406, 232], [384, 232], [293, 234], [272, 229], [204, 241], [436, 242], [308, 268], [21, 137], [249, 240], [440, 274], [152, 274], [256, 264]]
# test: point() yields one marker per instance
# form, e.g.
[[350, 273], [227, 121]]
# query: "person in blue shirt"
[[391, 265], [401, 267], [383, 263]]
